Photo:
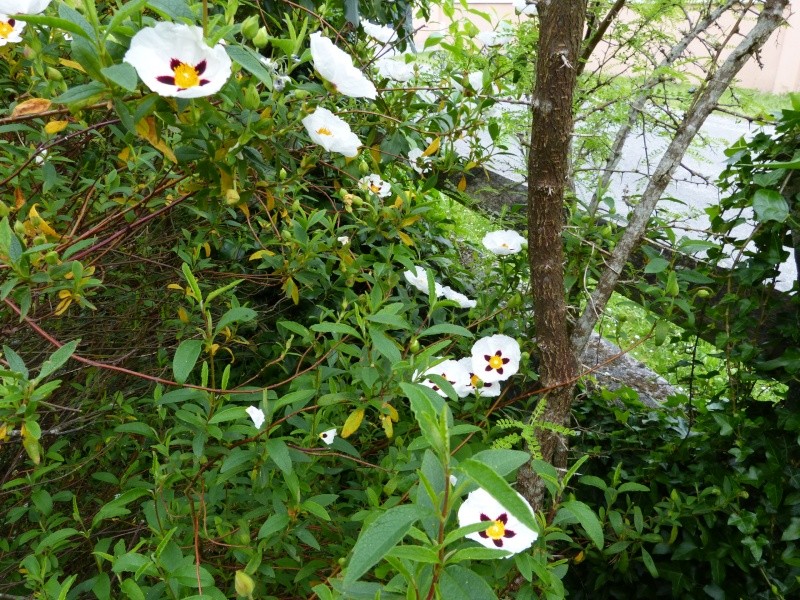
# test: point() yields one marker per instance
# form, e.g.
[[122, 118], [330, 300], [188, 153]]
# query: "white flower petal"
[[328, 436], [418, 162], [487, 390], [504, 242], [382, 33], [23, 7], [343, 240], [373, 183], [257, 415], [452, 372], [521, 7], [331, 132], [336, 66], [458, 297], [419, 279], [394, 68], [504, 531], [173, 60], [495, 358]]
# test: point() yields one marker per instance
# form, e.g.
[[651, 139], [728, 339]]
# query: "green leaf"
[[415, 554], [447, 329], [656, 265], [770, 205], [174, 9], [185, 359], [131, 590], [57, 360], [459, 583], [501, 461], [55, 539], [279, 453], [123, 74], [426, 409], [272, 525], [486, 477], [127, 10], [80, 93], [587, 519], [249, 60], [384, 345], [15, 362], [380, 536], [116, 507], [231, 413], [648, 563], [335, 328], [477, 553], [54, 23]]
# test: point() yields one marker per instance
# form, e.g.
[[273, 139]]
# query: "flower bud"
[[51, 258], [363, 167], [282, 174], [244, 584], [231, 197], [250, 27], [413, 346], [54, 74], [261, 38], [19, 228], [252, 100]]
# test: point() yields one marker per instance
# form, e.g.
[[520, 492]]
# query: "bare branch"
[[770, 18]]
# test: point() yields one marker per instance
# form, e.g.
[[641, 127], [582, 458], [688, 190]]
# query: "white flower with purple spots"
[[373, 183], [23, 7], [174, 60], [495, 358], [331, 132], [10, 30], [328, 436], [503, 530]]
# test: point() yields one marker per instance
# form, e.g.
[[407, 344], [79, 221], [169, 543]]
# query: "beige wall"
[[780, 57]]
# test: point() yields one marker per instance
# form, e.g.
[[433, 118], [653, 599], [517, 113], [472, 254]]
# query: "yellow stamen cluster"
[[186, 76], [496, 530], [496, 362], [6, 29]]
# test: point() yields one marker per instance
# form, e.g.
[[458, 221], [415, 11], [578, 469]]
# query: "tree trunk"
[[560, 35]]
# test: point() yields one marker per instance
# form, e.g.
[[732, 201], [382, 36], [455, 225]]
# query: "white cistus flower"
[[336, 67], [328, 436], [10, 30], [373, 183], [23, 7], [381, 33], [343, 240], [419, 279], [503, 530], [257, 415], [173, 60], [503, 242], [478, 385], [522, 7], [394, 68], [501, 36], [452, 372], [418, 162], [331, 132], [495, 358], [458, 297]]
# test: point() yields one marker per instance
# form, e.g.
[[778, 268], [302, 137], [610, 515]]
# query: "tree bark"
[[770, 18], [560, 36]]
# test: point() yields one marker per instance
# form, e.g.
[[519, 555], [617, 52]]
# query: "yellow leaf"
[[405, 239], [207, 248], [40, 224], [398, 203], [579, 558], [261, 254], [462, 185], [3, 432], [290, 287], [242, 206], [376, 153], [32, 448], [388, 428], [71, 64], [146, 128], [124, 154], [353, 422], [392, 412], [409, 221], [270, 200], [19, 199], [434, 146], [63, 306], [183, 315], [175, 286], [55, 127], [34, 106]]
